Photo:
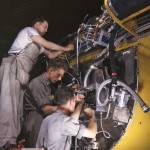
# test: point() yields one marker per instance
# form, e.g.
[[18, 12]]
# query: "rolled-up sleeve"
[[31, 31], [37, 95], [42, 97], [72, 127]]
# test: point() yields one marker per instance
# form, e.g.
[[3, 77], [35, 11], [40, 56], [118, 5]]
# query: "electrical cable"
[[105, 133]]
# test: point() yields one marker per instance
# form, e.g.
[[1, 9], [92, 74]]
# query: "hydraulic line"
[[144, 106]]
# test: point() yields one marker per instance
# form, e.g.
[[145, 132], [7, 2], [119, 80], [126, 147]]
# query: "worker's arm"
[[48, 109], [80, 102], [52, 55], [91, 130], [50, 45]]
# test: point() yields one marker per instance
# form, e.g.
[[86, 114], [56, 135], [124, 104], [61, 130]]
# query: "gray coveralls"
[[14, 76]]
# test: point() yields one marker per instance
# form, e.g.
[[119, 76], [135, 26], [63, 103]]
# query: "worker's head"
[[66, 97], [56, 69], [41, 25]]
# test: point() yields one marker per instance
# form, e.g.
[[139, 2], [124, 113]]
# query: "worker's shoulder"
[[35, 81]]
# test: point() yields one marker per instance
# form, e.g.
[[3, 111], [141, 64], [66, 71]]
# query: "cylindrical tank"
[[124, 8]]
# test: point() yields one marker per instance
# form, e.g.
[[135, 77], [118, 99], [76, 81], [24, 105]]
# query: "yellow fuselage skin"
[[137, 135]]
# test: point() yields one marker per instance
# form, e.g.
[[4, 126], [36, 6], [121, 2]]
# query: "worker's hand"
[[88, 112], [80, 98], [76, 86], [70, 47]]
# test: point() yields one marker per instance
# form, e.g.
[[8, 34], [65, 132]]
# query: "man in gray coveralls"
[[58, 128]]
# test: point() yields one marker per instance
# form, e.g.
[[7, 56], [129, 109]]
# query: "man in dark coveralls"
[[38, 99]]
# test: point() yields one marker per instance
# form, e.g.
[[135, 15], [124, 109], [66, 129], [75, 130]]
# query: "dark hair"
[[57, 64], [38, 19], [63, 95]]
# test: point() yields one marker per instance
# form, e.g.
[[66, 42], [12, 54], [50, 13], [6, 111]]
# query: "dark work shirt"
[[38, 94]]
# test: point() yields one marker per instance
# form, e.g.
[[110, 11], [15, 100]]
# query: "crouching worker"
[[58, 128]]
